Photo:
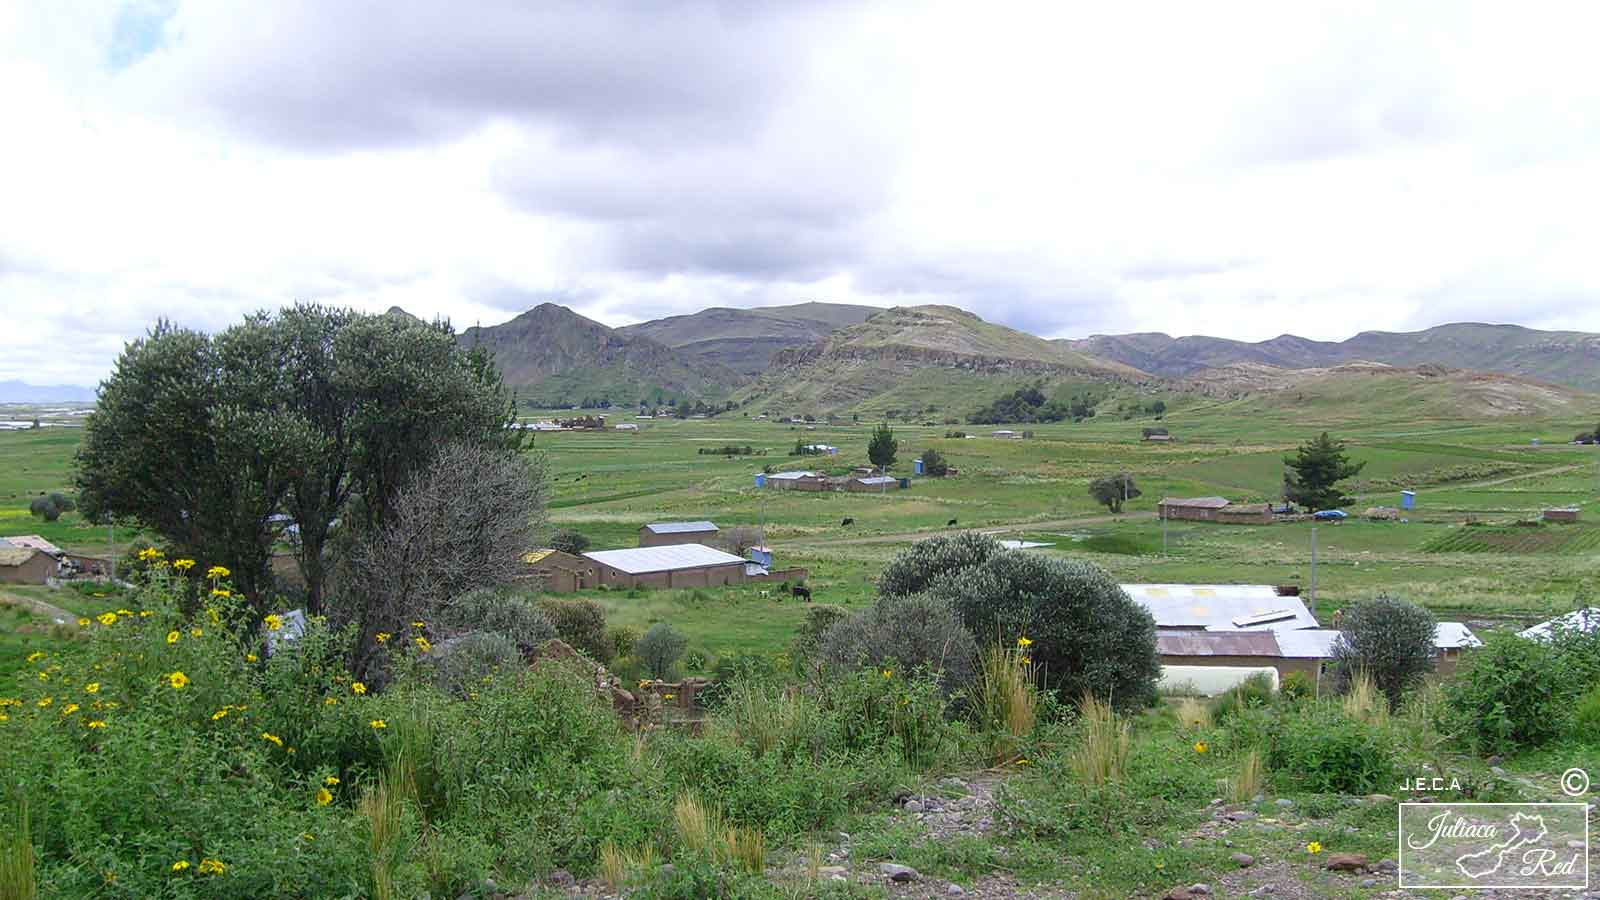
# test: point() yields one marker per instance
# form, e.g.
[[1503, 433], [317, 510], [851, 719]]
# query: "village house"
[[1233, 649], [861, 484], [1221, 607], [25, 565], [560, 572], [661, 534], [671, 566], [1215, 509], [796, 481], [1560, 514], [1585, 620]]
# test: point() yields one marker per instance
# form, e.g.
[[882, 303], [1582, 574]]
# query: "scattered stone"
[[1388, 866], [1178, 893], [898, 873], [914, 806], [1243, 860], [1200, 889], [1239, 815], [1216, 801], [955, 890], [1496, 760], [1264, 890], [1497, 771], [1380, 798], [1369, 882], [562, 878], [1285, 803], [832, 870], [1345, 862]]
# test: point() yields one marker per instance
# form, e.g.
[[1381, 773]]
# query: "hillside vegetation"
[[745, 340]]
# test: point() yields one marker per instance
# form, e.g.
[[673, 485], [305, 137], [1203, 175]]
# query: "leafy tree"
[[569, 541], [660, 649], [1112, 490], [927, 561], [50, 506], [1315, 471], [581, 624], [1081, 629], [881, 449], [933, 463], [908, 632], [1390, 640]]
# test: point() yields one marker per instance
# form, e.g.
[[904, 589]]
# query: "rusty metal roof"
[[1217, 643]]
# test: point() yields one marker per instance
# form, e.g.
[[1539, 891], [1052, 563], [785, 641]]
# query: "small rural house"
[[1005, 433], [661, 534], [671, 566], [1560, 514], [1450, 639], [822, 449], [798, 481], [1585, 620], [561, 572], [1233, 649], [25, 565], [627, 426], [863, 484], [1221, 607], [1215, 509]]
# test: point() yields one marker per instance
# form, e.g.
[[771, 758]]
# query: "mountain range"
[[829, 357]]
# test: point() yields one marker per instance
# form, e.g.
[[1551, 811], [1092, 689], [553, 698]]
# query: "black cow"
[[848, 521], [950, 524], [801, 591]]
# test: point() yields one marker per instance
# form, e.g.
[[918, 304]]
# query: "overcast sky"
[[1066, 168]]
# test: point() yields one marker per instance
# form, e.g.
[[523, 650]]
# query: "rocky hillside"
[[552, 355], [934, 357], [1563, 357], [745, 340]]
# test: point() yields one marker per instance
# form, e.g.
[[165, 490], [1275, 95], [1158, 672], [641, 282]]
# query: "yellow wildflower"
[[323, 797], [331, 701], [423, 645], [98, 723], [378, 723], [1024, 762], [269, 736], [888, 673], [212, 867], [44, 676], [181, 864], [357, 687], [1026, 660], [644, 682], [249, 657], [69, 709], [45, 701], [182, 565], [83, 622], [195, 632], [308, 836], [36, 655], [383, 637], [1314, 847], [211, 613], [219, 714], [1200, 747], [273, 621], [149, 553], [218, 572], [92, 687], [419, 624], [221, 592], [124, 612], [144, 613], [172, 637], [666, 696], [178, 680], [331, 780], [1024, 642], [108, 618]]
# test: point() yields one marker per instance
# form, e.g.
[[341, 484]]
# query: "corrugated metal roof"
[[536, 555], [1454, 635], [788, 476], [1221, 607], [1307, 643], [680, 527], [640, 560], [1196, 502], [1217, 643], [878, 479], [1578, 620], [36, 542], [16, 556]]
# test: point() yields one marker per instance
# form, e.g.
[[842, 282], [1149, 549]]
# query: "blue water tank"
[[917, 463], [761, 479], [1408, 499]]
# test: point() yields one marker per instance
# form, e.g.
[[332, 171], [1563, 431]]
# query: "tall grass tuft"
[[1102, 753], [1006, 699], [814, 862], [613, 866], [745, 848], [697, 827], [17, 877], [383, 808], [1250, 780], [768, 718], [1364, 702], [1193, 713]]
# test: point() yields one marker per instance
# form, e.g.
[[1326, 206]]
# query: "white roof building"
[[681, 527], [1318, 643], [1585, 620], [790, 476], [644, 560], [1221, 607]]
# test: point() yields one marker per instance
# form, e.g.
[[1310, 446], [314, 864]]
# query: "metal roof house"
[[660, 534], [798, 481], [872, 483], [1585, 620], [1221, 607], [669, 566], [1214, 509]]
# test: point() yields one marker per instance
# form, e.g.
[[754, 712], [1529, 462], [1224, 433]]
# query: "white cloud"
[[1244, 171]]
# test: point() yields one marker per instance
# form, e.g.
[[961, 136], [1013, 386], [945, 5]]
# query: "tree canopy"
[[1314, 472], [883, 446], [1390, 640], [1112, 490]]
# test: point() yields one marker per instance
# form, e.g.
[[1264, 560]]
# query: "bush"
[[1254, 692], [911, 633], [660, 649], [50, 506], [1086, 635], [819, 618], [464, 662], [933, 463], [1296, 686], [1319, 749], [1388, 639], [1508, 694], [490, 610], [582, 624], [624, 640], [569, 541], [927, 561], [1586, 717]]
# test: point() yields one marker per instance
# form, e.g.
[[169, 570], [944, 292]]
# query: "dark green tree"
[[1389, 640], [50, 506], [569, 541], [1112, 490], [933, 463], [881, 449], [1315, 471]]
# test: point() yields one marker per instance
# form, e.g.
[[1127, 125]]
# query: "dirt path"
[[39, 608], [1000, 528]]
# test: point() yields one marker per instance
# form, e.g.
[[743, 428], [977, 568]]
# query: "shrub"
[[917, 632], [1296, 686], [1252, 693], [580, 623], [1586, 717], [517, 618], [927, 561], [569, 541], [1086, 635], [1390, 640], [1320, 749], [464, 662], [50, 506], [1250, 780], [819, 618], [1509, 693], [934, 464], [661, 648], [624, 640]]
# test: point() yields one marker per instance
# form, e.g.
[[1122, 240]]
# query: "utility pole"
[[111, 546], [1161, 510], [1313, 564]]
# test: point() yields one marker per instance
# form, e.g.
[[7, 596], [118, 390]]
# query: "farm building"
[[672, 566], [1221, 607], [1232, 649], [25, 565], [872, 484], [1215, 509], [1585, 620], [1245, 514], [627, 426], [661, 534], [822, 449], [1449, 640], [1560, 514], [1005, 433], [562, 572], [798, 481]]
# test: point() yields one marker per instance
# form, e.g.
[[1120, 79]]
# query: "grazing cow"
[[802, 591], [950, 524], [848, 521]]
